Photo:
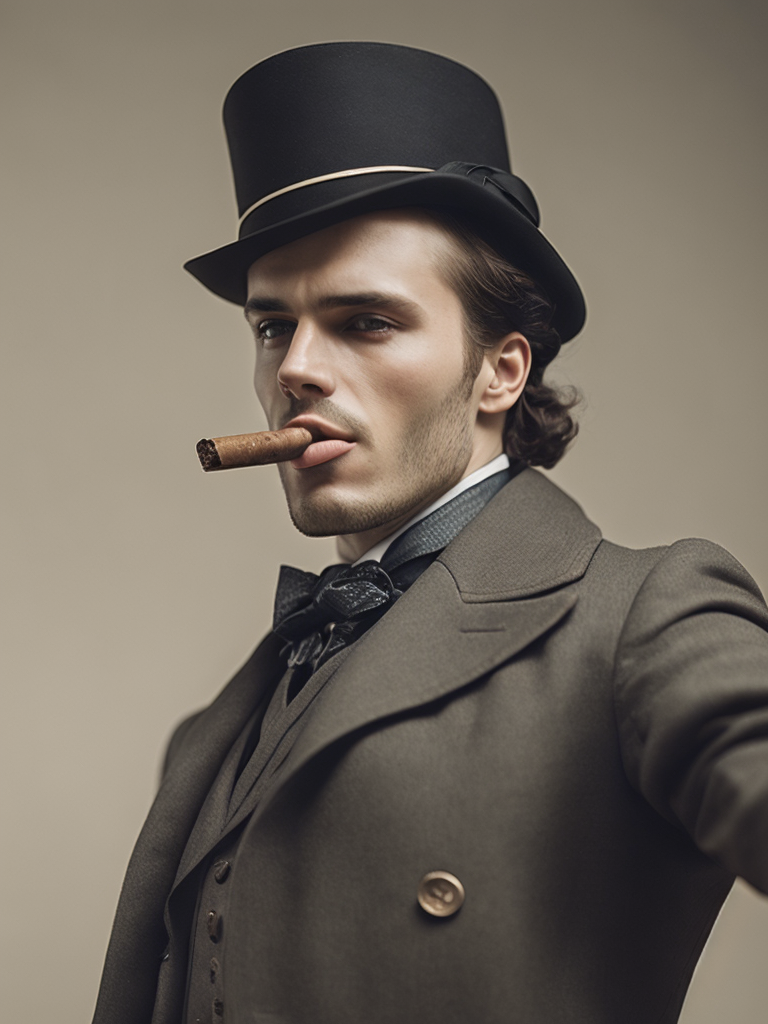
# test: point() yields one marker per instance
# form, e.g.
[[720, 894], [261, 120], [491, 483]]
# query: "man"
[[489, 767]]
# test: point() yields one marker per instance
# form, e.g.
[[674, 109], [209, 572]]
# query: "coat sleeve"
[[691, 685]]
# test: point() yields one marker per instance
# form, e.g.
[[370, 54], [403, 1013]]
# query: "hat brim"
[[224, 271]]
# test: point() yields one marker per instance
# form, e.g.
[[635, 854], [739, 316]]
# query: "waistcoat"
[[247, 784]]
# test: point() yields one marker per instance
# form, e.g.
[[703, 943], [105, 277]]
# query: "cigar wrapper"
[[259, 449]]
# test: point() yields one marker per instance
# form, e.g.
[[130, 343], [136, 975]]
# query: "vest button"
[[218, 1007], [214, 926], [215, 966], [440, 893], [221, 870]]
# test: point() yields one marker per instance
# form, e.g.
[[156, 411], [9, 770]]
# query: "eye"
[[368, 324], [273, 330]]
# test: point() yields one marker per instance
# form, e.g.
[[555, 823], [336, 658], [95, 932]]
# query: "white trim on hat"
[[328, 177]]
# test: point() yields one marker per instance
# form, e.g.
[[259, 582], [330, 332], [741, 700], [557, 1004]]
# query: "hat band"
[[328, 177]]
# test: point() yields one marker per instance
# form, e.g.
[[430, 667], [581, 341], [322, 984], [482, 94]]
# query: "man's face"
[[359, 338]]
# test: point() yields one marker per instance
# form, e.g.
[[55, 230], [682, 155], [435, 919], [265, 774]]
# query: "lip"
[[330, 442], [320, 429]]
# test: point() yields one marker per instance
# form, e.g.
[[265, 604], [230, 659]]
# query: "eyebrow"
[[382, 300]]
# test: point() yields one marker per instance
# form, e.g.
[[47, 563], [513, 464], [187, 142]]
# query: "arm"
[[692, 703]]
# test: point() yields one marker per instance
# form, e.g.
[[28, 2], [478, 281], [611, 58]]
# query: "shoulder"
[[551, 524], [176, 742], [650, 592], [233, 704], [677, 579], [694, 639]]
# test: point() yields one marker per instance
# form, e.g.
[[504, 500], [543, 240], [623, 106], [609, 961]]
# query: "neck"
[[350, 546]]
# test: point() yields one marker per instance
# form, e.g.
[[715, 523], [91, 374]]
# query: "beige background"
[[134, 584]]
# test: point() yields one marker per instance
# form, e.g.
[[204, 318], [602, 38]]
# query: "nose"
[[305, 371]]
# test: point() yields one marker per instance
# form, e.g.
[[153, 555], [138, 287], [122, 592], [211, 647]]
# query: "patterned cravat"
[[318, 615]]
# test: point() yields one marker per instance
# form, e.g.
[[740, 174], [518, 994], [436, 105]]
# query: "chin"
[[323, 514]]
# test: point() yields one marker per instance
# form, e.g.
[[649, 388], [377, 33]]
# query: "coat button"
[[221, 870], [218, 1007], [214, 926], [214, 971], [440, 893]]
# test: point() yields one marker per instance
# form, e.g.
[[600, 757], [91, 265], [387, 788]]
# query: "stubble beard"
[[432, 456]]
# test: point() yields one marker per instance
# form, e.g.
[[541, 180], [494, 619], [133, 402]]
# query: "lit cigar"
[[253, 449]]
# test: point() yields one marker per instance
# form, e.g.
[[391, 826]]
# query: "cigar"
[[253, 449]]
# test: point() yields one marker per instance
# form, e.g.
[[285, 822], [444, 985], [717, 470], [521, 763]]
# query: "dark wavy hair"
[[497, 299]]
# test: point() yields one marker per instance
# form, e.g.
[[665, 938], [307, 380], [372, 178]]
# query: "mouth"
[[330, 442]]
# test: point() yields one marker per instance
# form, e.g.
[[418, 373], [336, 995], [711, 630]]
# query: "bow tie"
[[319, 614]]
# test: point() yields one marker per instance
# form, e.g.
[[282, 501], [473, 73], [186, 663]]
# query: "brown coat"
[[577, 731]]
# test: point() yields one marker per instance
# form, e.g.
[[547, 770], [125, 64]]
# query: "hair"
[[498, 299]]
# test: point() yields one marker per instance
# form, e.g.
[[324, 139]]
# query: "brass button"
[[440, 893]]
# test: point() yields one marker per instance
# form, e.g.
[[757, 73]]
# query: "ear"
[[505, 370]]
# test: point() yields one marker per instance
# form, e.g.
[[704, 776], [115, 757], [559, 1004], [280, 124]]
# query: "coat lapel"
[[208, 828], [503, 582]]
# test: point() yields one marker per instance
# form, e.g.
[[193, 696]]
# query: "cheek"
[[415, 363], [389, 395], [265, 381], [408, 385], [258, 387]]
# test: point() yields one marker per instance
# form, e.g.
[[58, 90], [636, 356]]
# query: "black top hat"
[[322, 133]]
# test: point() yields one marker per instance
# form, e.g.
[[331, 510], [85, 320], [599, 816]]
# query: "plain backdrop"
[[133, 583]]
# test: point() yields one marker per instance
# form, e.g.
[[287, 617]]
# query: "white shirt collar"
[[496, 465]]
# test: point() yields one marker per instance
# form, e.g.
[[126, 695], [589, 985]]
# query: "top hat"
[[322, 133]]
